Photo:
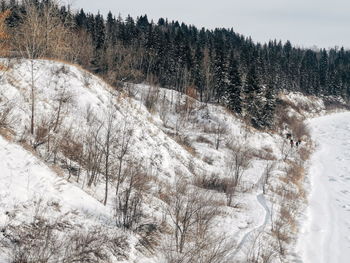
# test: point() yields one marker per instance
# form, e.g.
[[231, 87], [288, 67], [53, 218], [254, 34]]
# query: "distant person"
[[291, 143], [298, 143]]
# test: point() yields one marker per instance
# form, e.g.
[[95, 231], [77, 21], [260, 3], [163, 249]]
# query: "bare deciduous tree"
[[128, 202], [93, 151], [238, 162], [269, 168], [108, 144], [41, 33], [124, 137], [192, 214], [220, 131], [4, 36], [81, 48], [7, 118], [47, 240], [63, 97]]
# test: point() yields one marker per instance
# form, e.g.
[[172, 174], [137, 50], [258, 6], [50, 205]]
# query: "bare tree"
[[128, 202], [192, 214], [108, 144], [63, 97], [220, 131], [124, 136], [285, 149], [93, 150], [239, 161], [82, 49], [72, 148], [48, 240], [41, 33], [269, 168], [4, 36], [7, 117]]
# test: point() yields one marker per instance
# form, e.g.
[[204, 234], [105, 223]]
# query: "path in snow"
[[325, 237], [248, 238]]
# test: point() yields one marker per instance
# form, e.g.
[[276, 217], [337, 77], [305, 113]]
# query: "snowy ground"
[[171, 140], [326, 234]]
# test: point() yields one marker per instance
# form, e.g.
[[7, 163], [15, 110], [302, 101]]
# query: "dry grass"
[[208, 159], [184, 141], [7, 134], [332, 104], [57, 170], [3, 67], [264, 154], [202, 139], [212, 182], [28, 147]]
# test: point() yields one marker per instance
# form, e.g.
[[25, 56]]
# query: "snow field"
[[325, 236]]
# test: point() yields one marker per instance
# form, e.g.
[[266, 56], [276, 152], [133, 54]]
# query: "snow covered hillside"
[[32, 194], [133, 163], [326, 234]]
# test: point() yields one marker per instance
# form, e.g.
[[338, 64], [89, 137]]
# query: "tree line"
[[221, 65]]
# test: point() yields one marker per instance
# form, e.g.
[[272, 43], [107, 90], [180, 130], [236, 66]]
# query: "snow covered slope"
[[325, 237], [171, 136], [25, 178]]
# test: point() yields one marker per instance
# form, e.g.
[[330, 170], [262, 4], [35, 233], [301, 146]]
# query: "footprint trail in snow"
[[325, 237]]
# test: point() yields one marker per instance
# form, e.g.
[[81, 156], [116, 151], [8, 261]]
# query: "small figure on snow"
[[291, 143]]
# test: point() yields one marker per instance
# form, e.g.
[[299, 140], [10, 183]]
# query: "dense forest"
[[221, 65]]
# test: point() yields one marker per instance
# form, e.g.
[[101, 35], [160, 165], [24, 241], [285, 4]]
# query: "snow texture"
[[325, 237], [25, 178]]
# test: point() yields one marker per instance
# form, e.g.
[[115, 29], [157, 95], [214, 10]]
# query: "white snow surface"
[[24, 177], [325, 237]]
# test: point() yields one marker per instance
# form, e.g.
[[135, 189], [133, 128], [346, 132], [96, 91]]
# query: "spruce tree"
[[220, 70], [254, 101], [268, 114], [323, 71], [197, 71], [234, 86]]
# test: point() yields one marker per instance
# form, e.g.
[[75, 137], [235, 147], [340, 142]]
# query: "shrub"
[[7, 118], [202, 139], [212, 182], [48, 241]]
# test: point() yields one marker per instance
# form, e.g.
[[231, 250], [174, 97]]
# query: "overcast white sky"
[[324, 23]]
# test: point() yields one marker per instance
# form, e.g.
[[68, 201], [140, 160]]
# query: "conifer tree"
[[197, 71], [323, 70], [220, 70], [268, 114], [253, 96], [234, 87]]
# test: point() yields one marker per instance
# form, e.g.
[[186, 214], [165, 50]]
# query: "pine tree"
[[323, 71], [220, 70], [234, 87], [268, 114], [197, 71], [254, 101], [111, 32], [99, 31]]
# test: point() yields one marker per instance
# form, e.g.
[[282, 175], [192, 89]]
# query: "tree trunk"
[[32, 99]]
